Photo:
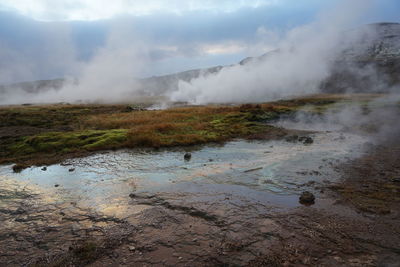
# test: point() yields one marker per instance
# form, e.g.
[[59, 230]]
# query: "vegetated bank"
[[46, 134]]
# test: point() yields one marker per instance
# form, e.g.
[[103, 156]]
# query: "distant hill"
[[35, 86], [370, 62], [158, 85]]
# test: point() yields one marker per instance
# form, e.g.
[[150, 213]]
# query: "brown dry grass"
[[71, 129]]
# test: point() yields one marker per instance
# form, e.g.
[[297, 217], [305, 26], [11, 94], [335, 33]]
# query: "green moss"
[[51, 116], [65, 142]]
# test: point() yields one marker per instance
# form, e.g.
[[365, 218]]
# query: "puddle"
[[272, 172], [226, 199]]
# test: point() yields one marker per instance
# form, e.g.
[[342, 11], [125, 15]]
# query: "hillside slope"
[[371, 61]]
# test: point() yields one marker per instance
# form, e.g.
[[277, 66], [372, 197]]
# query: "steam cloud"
[[302, 61], [109, 76], [298, 65], [376, 119]]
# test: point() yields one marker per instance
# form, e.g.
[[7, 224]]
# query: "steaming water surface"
[[272, 172]]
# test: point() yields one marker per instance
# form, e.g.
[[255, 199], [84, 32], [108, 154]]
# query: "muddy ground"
[[165, 231]]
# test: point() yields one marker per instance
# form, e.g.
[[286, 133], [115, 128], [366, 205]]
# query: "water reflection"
[[273, 170]]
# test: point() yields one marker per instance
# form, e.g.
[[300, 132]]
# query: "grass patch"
[[65, 142], [59, 131], [185, 126], [52, 116]]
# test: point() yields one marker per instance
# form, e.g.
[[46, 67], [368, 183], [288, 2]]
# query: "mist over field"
[[287, 60]]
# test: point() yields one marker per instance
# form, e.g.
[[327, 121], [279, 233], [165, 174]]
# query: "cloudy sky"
[[44, 39]]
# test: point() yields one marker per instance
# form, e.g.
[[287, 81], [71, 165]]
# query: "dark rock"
[[396, 180], [307, 198], [56, 185], [306, 140], [44, 168], [132, 195], [187, 156], [18, 168], [71, 170]]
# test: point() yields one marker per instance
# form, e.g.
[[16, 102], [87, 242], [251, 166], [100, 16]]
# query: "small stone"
[[56, 185], [210, 160], [132, 248], [17, 168], [187, 156], [396, 180], [71, 170], [132, 195], [307, 198], [306, 140], [180, 258], [44, 168]]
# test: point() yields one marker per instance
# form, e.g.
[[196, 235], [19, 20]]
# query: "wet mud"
[[231, 205]]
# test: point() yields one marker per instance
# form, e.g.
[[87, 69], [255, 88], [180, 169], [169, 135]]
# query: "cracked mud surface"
[[189, 222]]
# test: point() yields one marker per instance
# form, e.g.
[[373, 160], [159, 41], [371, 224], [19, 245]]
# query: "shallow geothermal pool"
[[269, 172]]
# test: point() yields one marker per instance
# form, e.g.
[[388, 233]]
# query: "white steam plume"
[[109, 76], [302, 61]]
